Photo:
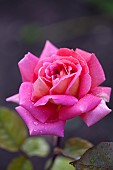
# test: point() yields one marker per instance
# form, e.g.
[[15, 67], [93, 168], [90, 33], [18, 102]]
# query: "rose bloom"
[[58, 86]]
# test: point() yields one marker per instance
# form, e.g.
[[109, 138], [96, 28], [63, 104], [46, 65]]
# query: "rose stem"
[[56, 144]]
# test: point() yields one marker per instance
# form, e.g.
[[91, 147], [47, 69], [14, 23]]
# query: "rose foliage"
[[58, 86]]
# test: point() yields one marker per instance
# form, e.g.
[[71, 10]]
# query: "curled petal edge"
[[96, 114], [85, 104]]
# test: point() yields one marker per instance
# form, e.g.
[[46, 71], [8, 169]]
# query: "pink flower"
[[58, 86]]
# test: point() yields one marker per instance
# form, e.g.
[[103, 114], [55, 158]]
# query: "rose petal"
[[83, 63], [102, 92], [84, 54], [96, 72], [57, 99], [96, 114], [85, 85], [42, 113], [38, 128], [41, 63], [39, 89], [48, 50], [85, 104], [74, 84], [14, 98], [27, 66], [69, 58], [61, 86], [77, 56], [65, 52]]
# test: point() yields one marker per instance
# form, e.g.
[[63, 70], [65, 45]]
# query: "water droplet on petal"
[[34, 130], [35, 123]]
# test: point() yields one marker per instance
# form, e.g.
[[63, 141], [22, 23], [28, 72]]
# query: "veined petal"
[[77, 56], [83, 63], [74, 84], [57, 99], [61, 86], [85, 104], [27, 66], [38, 128], [48, 50], [14, 98], [41, 63], [96, 72], [102, 92], [39, 89], [85, 85], [84, 54], [96, 114], [41, 113], [65, 52]]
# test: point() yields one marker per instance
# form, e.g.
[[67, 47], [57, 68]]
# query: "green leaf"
[[99, 157], [75, 147], [61, 163], [20, 163], [36, 146], [12, 130]]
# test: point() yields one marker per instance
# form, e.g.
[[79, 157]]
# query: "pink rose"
[[58, 86]]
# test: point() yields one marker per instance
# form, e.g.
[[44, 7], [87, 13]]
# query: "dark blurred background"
[[26, 25]]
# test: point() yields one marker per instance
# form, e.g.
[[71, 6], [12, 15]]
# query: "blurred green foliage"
[[104, 5], [13, 131], [14, 137], [56, 32], [20, 163], [31, 33], [76, 147], [36, 146], [61, 163]]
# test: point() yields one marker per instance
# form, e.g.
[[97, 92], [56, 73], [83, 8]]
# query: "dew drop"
[[35, 123], [34, 130]]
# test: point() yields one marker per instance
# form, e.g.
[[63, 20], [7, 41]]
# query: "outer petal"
[[85, 85], [57, 99], [84, 54], [38, 128], [48, 50], [96, 72], [27, 66], [102, 92], [14, 98], [96, 114], [85, 104], [65, 52], [41, 113]]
